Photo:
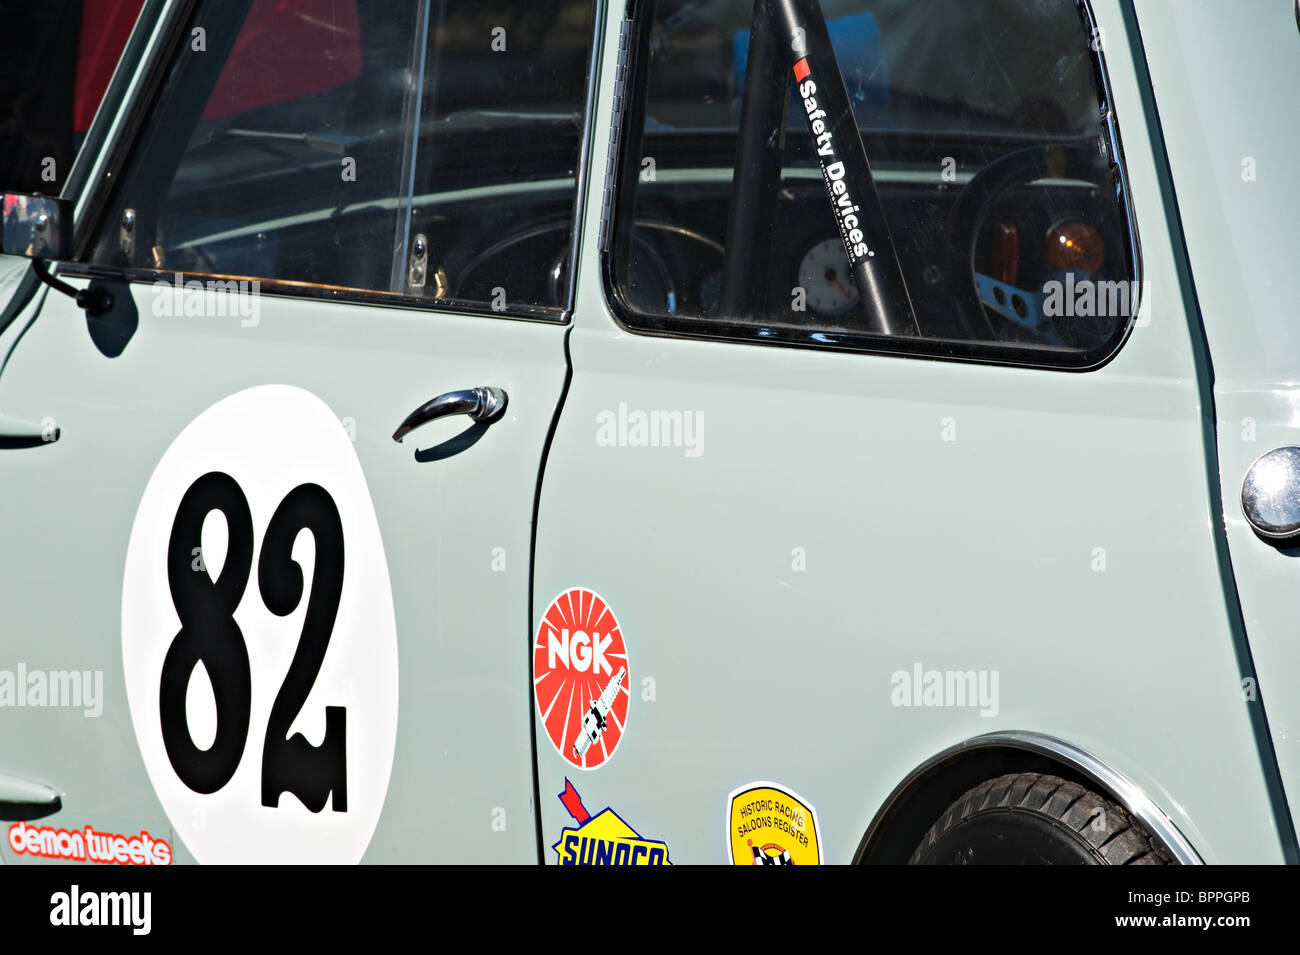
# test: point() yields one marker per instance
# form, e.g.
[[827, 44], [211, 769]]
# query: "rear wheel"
[[1037, 819]]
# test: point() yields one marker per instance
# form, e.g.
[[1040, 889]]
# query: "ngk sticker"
[[580, 677]]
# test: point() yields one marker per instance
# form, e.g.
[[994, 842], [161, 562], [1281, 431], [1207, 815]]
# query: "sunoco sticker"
[[768, 824], [603, 839]]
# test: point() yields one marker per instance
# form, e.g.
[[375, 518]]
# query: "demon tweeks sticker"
[[580, 678], [258, 635], [603, 839], [87, 845], [768, 824]]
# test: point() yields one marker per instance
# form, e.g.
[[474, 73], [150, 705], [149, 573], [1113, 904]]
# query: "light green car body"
[[850, 516]]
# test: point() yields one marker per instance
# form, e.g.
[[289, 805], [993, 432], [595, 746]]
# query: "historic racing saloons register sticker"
[[768, 824]]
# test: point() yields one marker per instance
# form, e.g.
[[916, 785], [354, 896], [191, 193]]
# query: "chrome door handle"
[[21, 800], [484, 405]]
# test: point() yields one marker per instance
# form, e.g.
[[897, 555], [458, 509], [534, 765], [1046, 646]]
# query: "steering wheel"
[[981, 296]]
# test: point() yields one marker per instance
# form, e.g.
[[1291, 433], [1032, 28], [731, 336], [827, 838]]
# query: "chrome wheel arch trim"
[[1114, 783]]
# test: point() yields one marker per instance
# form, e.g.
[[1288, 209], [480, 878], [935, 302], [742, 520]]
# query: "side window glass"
[[73, 49], [275, 149], [993, 168], [426, 150]]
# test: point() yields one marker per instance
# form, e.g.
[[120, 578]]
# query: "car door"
[[1224, 143], [828, 554], [303, 639]]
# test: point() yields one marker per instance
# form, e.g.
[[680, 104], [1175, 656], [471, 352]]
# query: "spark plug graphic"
[[593, 723]]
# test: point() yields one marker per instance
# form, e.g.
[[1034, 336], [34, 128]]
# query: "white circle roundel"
[[258, 635]]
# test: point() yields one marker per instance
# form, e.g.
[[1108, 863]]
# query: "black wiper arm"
[[480, 117], [337, 145], [340, 145]]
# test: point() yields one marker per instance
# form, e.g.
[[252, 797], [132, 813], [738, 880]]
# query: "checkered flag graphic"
[[762, 858]]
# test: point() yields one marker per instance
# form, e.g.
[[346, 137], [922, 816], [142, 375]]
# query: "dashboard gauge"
[[824, 275]]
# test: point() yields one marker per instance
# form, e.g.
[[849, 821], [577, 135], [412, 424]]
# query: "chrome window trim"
[[586, 144], [110, 136], [131, 72]]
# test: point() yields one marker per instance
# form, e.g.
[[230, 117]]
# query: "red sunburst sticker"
[[580, 677]]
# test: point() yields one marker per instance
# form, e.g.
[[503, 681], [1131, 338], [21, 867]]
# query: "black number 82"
[[210, 635]]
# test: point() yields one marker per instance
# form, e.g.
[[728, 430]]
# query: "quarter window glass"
[[983, 127], [501, 124], [390, 146]]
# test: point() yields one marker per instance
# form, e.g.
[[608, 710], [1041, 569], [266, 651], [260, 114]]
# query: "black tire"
[[1036, 819]]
